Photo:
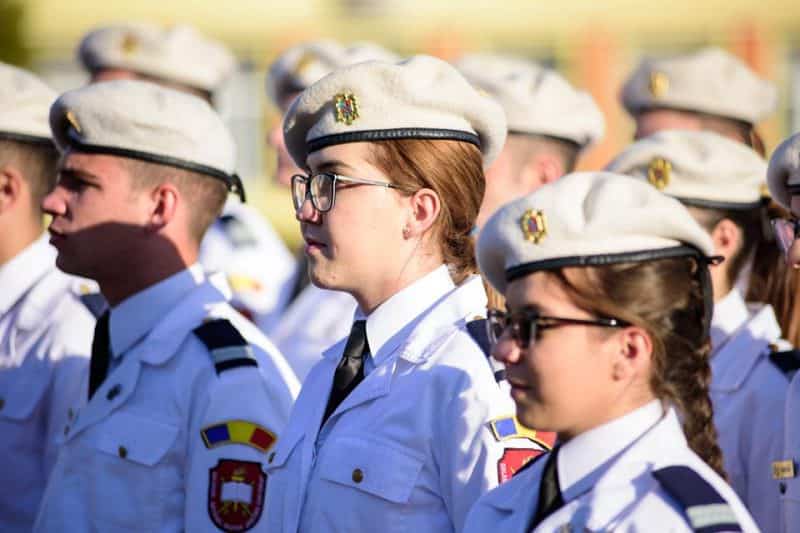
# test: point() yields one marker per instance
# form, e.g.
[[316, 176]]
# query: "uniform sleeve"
[[231, 435]]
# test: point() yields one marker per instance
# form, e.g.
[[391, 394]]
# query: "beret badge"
[[658, 173], [534, 225], [659, 84], [73, 121], [346, 107], [129, 44]]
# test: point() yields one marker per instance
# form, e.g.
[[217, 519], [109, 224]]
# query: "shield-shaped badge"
[[513, 460], [236, 494]]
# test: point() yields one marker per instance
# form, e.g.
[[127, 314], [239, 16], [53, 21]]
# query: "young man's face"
[[97, 215]]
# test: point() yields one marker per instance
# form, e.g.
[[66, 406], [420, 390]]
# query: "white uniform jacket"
[[175, 437], [314, 322], [258, 266], [411, 448], [748, 392], [45, 341], [608, 482]]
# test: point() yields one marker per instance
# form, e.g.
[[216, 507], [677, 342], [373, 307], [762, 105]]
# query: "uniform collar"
[[133, 318], [392, 321], [580, 460], [729, 315], [21, 273]]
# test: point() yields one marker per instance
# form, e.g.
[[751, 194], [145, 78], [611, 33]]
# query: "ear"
[[540, 169], [727, 238], [425, 207], [634, 355], [165, 200], [12, 187]]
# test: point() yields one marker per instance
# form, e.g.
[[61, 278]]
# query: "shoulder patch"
[[787, 361], [477, 330], [509, 427], [237, 231], [706, 511], [227, 346], [238, 432], [515, 460]]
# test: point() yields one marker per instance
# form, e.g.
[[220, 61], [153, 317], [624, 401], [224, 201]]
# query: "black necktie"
[[550, 499], [350, 371], [101, 354]]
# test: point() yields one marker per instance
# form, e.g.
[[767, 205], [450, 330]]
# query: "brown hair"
[[452, 169], [206, 195], [664, 297], [37, 162], [772, 281]]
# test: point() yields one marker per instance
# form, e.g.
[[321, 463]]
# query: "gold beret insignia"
[[658, 173], [534, 225], [659, 84], [346, 106]]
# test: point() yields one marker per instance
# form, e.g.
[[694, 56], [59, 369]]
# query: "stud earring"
[[406, 232]]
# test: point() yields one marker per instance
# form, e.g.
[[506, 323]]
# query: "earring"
[[406, 232]]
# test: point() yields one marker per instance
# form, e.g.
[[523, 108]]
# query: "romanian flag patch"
[[510, 428], [238, 432]]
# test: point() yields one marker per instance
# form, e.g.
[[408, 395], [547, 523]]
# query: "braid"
[[664, 297]]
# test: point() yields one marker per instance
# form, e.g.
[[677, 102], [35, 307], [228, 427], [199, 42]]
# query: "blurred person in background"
[[45, 331], [720, 181], [313, 320], [783, 177], [241, 243]]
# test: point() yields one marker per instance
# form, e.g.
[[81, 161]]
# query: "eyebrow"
[[332, 165], [78, 174]]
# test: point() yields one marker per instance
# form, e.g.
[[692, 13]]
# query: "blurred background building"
[[594, 43]]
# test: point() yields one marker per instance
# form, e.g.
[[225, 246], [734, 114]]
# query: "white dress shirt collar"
[[730, 314], [19, 274]]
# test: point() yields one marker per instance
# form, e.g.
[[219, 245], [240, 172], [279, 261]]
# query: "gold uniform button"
[[358, 475], [271, 458], [122, 452]]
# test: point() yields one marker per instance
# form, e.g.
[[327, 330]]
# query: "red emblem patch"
[[236, 494], [513, 460]]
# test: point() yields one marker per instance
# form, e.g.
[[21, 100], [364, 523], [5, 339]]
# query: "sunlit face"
[[655, 120], [562, 381], [285, 166], [96, 214], [359, 241]]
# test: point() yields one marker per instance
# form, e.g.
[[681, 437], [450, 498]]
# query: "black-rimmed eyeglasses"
[[321, 188], [525, 325]]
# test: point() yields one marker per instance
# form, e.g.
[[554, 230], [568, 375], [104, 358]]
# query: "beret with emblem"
[[419, 98], [24, 103], [300, 66], [708, 81], [179, 54], [536, 100], [586, 219], [145, 121], [783, 174], [697, 167]]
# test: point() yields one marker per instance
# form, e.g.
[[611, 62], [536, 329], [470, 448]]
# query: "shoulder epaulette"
[[477, 330], [706, 511], [238, 232], [227, 346], [787, 360]]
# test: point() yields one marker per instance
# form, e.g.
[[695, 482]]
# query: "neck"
[[12, 243], [616, 410], [369, 298], [141, 271]]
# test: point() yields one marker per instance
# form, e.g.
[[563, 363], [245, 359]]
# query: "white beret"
[[419, 98], [302, 65], [24, 103], [536, 100], [179, 54], [586, 219], [697, 167], [783, 174], [709, 81], [145, 121]]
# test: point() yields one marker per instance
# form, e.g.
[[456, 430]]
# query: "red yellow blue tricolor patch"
[[238, 432], [509, 427]]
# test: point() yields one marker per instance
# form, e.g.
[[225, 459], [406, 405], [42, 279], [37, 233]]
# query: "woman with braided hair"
[[606, 342]]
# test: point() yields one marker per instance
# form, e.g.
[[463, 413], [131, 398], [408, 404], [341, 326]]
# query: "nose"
[[308, 213], [275, 136], [506, 350], [53, 203]]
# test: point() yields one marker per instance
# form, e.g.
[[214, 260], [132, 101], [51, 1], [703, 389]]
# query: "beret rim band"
[[524, 269], [715, 204], [390, 135], [25, 138], [232, 181]]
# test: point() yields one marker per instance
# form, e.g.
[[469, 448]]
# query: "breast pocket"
[[368, 482], [132, 473]]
